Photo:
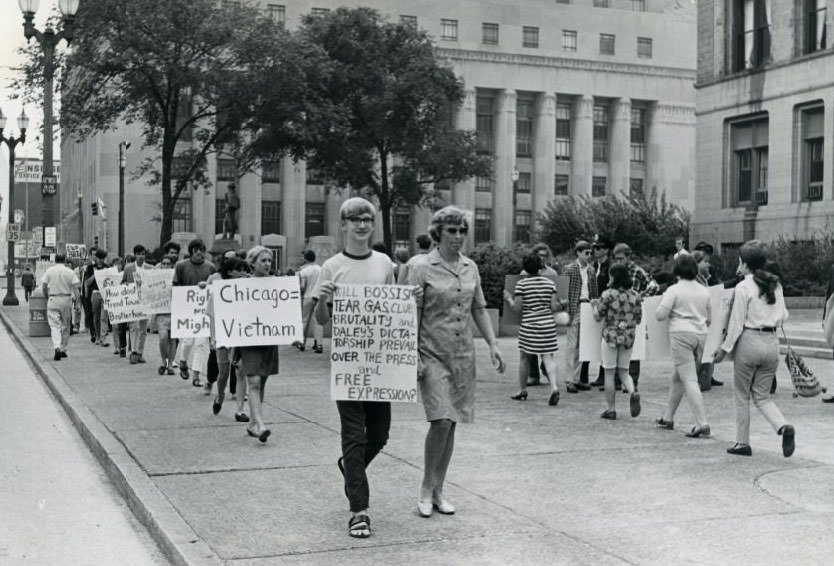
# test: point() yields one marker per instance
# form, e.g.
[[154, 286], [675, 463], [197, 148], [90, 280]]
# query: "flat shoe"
[[196, 382], [443, 506], [216, 406], [359, 526], [698, 431], [554, 399], [242, 417], [788, 442], [520, 396], [609, 415], [425, 507], [740, 450], [264, 435], [170, 371], [634, 404], [662, 423], [828, 399]]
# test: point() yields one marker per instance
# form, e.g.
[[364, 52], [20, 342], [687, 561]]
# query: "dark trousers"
[[27, 292], [365, 426]]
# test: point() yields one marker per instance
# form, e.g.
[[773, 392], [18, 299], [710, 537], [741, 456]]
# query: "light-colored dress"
[[446, 345]]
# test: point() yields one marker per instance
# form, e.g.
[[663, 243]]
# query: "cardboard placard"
[[258, 311], [156, 290], [122, 303], [721, 303], [374, 346], [107, 277], [75, 251], [189, 312]]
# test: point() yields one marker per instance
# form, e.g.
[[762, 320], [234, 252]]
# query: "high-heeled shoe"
[[554, 399], [698, 431], [520, 396]]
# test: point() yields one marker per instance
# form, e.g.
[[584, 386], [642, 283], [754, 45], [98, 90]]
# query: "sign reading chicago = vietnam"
[[258, 311], [189, 312], [374, 346]]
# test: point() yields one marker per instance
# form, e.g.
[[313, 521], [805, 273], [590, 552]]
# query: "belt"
[[770, 329], [54, 295], [584, 300]]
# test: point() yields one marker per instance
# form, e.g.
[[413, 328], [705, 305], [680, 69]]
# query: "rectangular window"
[[600, 3], [271, 172], [812, 149], [563, 118], [521, 231], [815, 25], [606, 44], [489, 34], [449, 30], [524, 183], [484, 122], [270, 217], [600, 133], [410, 21], [219, 214], [402, 225], [483, 225], [644, 47], [638, 135], [483, 184], [524, 128], [568, 40], [226, 170], [314, 219], [318, 12], [561, 185], [529, 36], [598, 186], [635, 188], [638, 5], [182, 220], [277, 12], [749, 143], [752, 33]]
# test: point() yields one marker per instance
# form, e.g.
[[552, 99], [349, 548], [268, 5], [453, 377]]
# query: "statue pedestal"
[[222, 245]]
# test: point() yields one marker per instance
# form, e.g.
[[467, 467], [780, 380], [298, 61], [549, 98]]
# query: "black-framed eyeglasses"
[[453, 230], [361, 219], [587, 252]]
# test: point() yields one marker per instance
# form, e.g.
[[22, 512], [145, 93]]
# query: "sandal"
[[196, 382], [359, 526]]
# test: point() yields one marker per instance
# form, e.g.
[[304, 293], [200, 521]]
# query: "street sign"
[[18, 215], [13, 233], [37, 232], [50, 236], [49, 184]]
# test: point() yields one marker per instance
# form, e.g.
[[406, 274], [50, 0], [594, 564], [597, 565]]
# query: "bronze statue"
[[232, 206]]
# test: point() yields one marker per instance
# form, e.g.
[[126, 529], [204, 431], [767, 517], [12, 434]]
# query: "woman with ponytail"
[[758, 312]]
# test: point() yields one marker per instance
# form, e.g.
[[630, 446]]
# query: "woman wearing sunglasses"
[[452, 296]]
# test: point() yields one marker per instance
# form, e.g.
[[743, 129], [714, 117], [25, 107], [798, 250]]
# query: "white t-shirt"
[[584, 292], [309, 275], [374, 269], [687, 306]]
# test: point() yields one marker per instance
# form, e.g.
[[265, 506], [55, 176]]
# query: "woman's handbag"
[[805, 383]]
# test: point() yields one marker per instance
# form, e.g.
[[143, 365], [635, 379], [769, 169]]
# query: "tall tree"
[[189, 71], [380, 121]]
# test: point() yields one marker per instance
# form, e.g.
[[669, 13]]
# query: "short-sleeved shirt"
[[621, 312], [373, 269], [689, 306], [60, 280], [309, 275], [188, 273]]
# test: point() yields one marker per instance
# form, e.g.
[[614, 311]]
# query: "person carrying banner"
[[137, 328], [120, 329], [193, 353], [309, 275], [60, 286], [451, 299], [98, 330], [167, 345], [364, 424]]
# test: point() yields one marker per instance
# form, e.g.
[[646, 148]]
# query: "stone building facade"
[[570, 97], [765, 131]]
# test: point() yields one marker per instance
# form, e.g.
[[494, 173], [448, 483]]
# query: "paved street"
[[533, 484]]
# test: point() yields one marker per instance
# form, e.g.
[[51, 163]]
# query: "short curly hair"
[[446, 216]]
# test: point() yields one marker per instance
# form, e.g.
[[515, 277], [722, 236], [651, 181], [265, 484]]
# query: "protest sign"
[[156, 290], [651, 338], [122, 303], [107, 277], [656, 333], [189, 312], [75, 251], [721, 303], [258, 311], [590, 335], [374, 347]]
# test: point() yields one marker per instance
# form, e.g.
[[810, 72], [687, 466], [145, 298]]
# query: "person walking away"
[[60, 286], [620, 309], [120, 330], [138, 328], [582, 288], [536, 367], [451, 298], [535, 297], [27, 281], [686, 305], [758, 311], [309, 276], [365, 425]]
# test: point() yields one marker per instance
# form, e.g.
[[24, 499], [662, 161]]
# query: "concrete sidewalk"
[[533, 484]]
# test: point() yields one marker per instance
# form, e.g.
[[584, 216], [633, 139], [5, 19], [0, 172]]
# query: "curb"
[[172, 534]]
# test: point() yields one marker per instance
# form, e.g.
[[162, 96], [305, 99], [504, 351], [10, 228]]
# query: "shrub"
[[494, 262], [805, 264]]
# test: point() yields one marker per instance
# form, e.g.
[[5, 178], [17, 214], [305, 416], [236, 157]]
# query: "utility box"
[[38, 325]]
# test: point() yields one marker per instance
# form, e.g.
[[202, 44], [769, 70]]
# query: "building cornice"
[[565, 63]]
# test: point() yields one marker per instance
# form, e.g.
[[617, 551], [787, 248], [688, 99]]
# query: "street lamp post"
[[48, 40], [514, 177], [122, 147], [22, 123]]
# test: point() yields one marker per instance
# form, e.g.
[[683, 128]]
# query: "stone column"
[[654, 150], [544, 156], [502, 198], [293, 201], [463, 193], [828, 142], [582, 145], [620, 147]]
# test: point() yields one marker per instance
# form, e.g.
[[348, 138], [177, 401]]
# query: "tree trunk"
[[385, 204], [169, 200]]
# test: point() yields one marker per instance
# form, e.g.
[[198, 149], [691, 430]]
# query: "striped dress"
[[537, 333]]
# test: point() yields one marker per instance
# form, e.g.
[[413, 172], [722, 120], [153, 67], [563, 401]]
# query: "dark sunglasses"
[[452, 230]]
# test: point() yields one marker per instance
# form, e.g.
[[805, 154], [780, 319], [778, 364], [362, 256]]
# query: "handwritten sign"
[[721, 303], [76, 251], [189, 312], [374, 346], [258, 311], [107, 277], [122, 303], [156, 290]]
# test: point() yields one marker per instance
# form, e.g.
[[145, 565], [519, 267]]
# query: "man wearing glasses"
[[581, 289]]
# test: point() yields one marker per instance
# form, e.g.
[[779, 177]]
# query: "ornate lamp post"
[[22, 123], [48, 40]]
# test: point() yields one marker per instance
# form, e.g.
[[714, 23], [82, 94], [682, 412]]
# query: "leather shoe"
[[634, 405], [828, 399], [583, 386], [571, 388], [740, 450], [57, 356], [63, 354], [663, 423], [242, 417], [609, 415], [425, 507], [554, 399], [788, 444], [443, 506], [716, 383], [699, 431]]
